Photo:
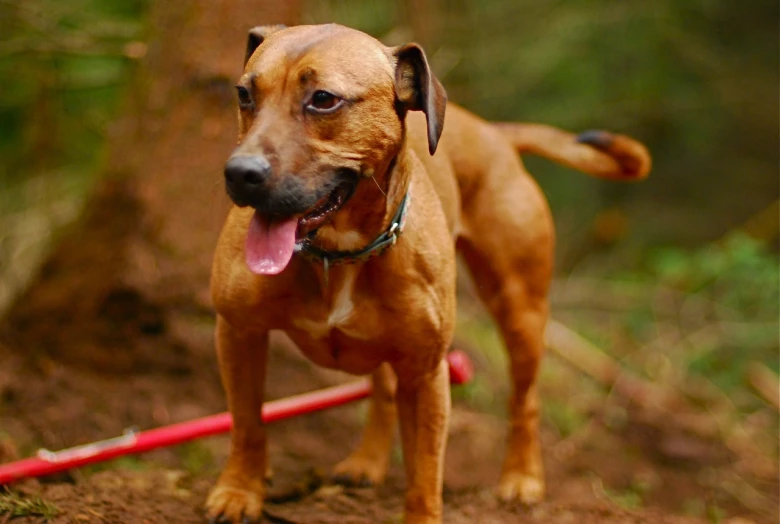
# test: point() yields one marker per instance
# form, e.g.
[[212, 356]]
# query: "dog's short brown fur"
[[392, 315]]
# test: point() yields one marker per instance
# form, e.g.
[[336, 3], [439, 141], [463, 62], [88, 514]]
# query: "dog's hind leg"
[[508, 246], [367, 465]]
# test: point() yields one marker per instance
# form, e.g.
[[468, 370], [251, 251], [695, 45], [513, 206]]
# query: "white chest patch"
[[341, 312], [343, 307]]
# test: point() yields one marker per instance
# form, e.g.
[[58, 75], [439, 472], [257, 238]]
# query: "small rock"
[[329, 490]]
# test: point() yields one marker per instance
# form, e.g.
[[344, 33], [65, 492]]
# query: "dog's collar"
[[380, 244]]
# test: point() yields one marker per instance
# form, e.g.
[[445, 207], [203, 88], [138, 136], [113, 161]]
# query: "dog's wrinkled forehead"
[[344, 58]]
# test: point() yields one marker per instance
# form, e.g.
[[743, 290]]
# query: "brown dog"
[[330, 169]]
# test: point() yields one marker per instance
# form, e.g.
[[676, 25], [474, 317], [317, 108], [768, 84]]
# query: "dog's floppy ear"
[[256, 37], [418, 90]]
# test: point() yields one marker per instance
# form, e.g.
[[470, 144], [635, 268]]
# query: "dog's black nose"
[[249, 170], [245, 176]]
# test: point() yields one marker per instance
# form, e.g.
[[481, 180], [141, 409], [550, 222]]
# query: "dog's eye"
[[324, 102], [244, 98]]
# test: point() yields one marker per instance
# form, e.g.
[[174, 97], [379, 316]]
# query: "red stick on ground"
[[48, 462]]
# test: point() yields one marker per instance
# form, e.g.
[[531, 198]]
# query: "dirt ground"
[[151, 370]]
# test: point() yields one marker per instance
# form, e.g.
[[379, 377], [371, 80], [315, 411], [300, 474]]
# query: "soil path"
[[46, 403]]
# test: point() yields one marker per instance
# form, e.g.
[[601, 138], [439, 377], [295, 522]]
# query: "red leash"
[[132, 441]]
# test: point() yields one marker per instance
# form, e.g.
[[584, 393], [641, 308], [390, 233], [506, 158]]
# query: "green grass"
[[628, 499], [196, 458], [126, 463], [15, 505], [701, 509], [565, 417]]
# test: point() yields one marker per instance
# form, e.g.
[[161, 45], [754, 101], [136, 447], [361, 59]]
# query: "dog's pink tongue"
[[269, 244]]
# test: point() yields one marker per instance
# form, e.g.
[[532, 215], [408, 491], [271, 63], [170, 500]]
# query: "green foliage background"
[[696, 81], [64, 65]]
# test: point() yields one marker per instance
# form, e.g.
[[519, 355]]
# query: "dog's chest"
[[339, 314], [340, 333]]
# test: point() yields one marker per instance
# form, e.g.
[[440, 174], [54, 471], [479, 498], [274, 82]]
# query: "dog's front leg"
[[242, 354], [424, 409]]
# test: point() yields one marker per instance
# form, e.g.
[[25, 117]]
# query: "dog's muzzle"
[[250, 181]]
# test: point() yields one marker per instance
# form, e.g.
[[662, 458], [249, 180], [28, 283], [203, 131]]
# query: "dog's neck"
[[371, 208]]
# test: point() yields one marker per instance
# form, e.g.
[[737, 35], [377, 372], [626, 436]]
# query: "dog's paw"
[[521, 487], [236, 505], [358, 470]]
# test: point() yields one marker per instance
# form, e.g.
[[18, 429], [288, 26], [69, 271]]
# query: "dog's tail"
[[599, 153]]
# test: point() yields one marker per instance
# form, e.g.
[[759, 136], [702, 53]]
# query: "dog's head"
[[321, 108]]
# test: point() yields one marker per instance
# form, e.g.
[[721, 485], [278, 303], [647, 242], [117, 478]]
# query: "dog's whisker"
[[378, 186]]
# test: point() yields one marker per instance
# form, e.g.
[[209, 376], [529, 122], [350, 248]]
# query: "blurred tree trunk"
[[144, 245]]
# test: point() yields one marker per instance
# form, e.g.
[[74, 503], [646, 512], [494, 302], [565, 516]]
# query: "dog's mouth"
[[271, 239], [319, 213]]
